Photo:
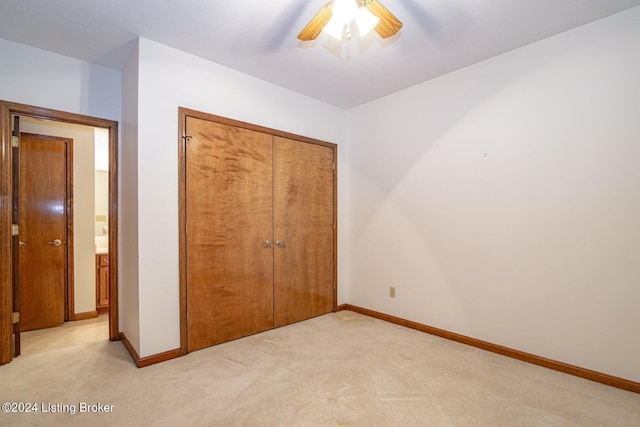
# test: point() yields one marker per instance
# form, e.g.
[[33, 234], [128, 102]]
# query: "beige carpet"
[[335, 370], [69, 334]]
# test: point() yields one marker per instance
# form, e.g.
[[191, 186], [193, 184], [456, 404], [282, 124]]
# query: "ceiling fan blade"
[[314, 27], [389, 24]]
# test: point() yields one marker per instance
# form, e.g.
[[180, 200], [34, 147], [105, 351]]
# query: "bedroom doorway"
[[9, 266]]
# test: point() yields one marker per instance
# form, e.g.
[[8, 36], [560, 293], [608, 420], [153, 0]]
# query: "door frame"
[[7, 109], [183, 113]]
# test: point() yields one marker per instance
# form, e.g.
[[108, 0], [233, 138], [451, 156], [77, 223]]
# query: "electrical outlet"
[[392, 291]]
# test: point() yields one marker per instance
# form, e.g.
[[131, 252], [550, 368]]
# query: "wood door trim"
[[244, 125], [70, 288], [183, 113], [335, 228], [7, 109], [182, 225], [15, 240]]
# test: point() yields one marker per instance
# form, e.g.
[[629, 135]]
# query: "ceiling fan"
[[337, 15]]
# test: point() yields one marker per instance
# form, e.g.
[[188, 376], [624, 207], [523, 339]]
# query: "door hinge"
[[14, 229], [16, 317], [15, 141]]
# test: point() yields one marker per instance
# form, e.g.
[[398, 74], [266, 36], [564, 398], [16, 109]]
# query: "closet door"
[[304, 203], [229, 217]]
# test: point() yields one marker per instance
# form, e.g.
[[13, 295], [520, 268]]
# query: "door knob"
[[280, 244], [56, 242], [23, 243], [267, 244]]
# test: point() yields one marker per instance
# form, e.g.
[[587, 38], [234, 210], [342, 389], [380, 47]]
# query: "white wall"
[[84, 264], [128, 205], [169, 78], [44, 79], [48, 80], [503, 200], [101, 203], [102, 185]]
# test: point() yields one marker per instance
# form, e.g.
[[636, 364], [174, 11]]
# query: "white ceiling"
[[258, 37]]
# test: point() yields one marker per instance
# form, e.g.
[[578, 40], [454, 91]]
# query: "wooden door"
[[42, 231], [304, 269], [229, 219]]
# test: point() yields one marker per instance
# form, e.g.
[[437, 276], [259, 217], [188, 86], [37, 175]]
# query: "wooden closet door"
[[304, 206], [229, 216]]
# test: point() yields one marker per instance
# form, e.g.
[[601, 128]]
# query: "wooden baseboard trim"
[[132, 351], [157, 358], [505, 351], [141, 362], [84, 316]]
